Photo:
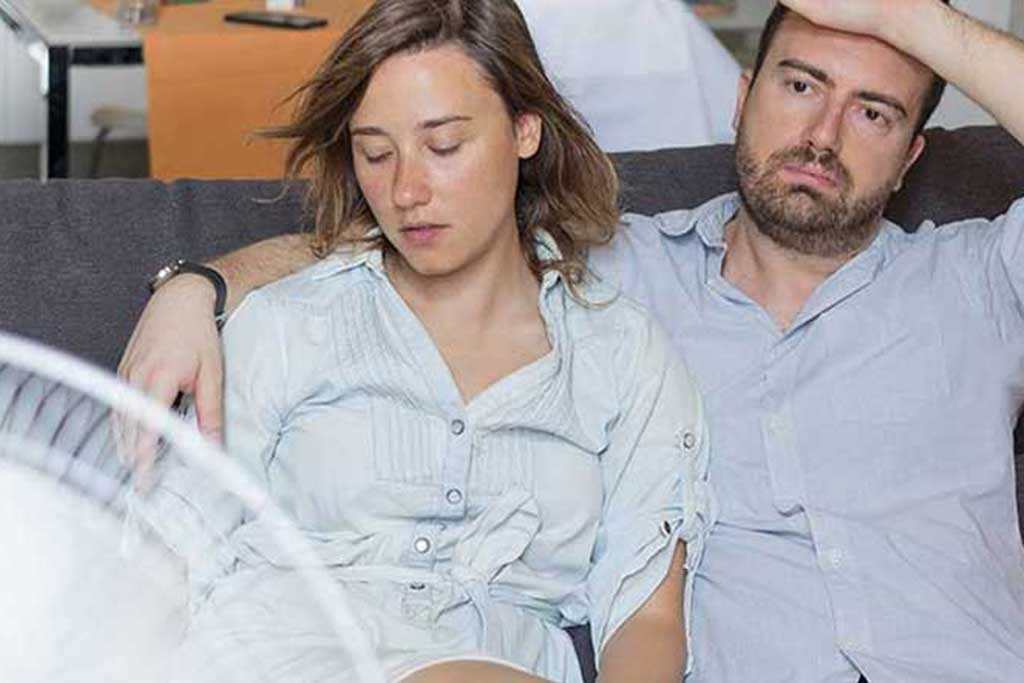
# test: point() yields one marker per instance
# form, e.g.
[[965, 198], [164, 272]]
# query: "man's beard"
[[800, 218]]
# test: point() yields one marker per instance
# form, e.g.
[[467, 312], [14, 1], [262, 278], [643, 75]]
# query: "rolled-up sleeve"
[[655, 483]]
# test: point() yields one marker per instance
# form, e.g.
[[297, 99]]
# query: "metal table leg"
[[55, 147]]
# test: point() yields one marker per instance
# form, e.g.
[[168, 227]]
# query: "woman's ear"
[[529, 130]]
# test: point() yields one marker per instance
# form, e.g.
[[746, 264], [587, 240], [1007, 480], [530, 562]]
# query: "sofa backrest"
[[76, 254]]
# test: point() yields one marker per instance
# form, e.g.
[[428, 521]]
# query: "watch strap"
[[220, 287]]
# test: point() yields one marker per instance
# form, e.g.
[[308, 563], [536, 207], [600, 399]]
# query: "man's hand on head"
[[869, 17], [175, 348]]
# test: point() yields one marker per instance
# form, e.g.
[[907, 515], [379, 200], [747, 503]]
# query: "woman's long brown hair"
[[568, 188]]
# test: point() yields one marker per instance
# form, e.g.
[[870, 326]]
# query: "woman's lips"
[[422, 234]]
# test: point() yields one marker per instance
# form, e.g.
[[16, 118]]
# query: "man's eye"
[[875, 117], [799, 87]]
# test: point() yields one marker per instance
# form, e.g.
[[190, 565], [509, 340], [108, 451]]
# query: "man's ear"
[[742, 90], [913, 154], [529, 130]]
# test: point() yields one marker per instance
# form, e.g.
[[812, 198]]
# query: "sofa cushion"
[[78, 254]]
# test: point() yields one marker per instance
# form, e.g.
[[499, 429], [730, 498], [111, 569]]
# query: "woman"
[[482, 443]]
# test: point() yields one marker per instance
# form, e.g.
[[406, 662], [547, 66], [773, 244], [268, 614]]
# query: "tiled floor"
[[121, 159]]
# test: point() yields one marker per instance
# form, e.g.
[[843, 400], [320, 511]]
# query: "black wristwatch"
[[180, 266]]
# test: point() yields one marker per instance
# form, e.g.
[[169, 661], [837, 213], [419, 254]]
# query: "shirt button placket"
[[453, 482]]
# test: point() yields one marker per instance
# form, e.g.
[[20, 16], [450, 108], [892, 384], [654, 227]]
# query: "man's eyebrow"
[[813, 71], [429, 124], [879, 98]]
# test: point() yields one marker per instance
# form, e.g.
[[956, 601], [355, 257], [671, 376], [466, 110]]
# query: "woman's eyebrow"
[[429, 124], [367, 130]]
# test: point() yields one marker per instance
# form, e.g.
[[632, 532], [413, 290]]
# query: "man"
[[861, 383]]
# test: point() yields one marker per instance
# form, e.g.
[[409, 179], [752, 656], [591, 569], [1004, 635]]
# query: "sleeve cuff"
[[637, 559]]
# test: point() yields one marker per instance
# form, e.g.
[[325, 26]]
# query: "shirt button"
[[421, 545], [689, 440], [458, 426], [417, 586], [835, 558], [454, 496]]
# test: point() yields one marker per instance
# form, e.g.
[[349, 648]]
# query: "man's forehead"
[[849, 60]]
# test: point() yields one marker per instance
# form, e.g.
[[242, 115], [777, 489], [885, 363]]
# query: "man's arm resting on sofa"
[[262, 263], [983, 62], [175, 347]]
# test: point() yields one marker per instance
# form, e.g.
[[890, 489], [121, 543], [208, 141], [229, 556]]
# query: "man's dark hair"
[[771, 26]]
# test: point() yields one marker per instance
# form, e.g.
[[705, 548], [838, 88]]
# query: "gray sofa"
[[76, 255]]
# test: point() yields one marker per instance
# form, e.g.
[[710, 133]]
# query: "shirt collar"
[[547, 250], [708, 219], [346, 258], [351, 257]]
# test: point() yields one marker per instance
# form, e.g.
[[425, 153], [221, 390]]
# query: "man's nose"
[[826, 130]]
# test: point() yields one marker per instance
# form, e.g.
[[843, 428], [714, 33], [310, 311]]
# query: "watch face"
[[163, 275]]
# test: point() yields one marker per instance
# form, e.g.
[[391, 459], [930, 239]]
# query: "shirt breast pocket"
[[887, 366]]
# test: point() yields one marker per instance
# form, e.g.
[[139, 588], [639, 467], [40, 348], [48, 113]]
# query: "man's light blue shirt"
[[862, 458]]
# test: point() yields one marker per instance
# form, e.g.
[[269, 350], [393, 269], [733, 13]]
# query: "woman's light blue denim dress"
[[456, 530]]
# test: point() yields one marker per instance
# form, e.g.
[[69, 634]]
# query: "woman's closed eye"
[[375, 156], [444, 150]]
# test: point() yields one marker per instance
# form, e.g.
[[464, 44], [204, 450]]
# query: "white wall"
[[1018, 18], [23, 109], [20, 103]]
